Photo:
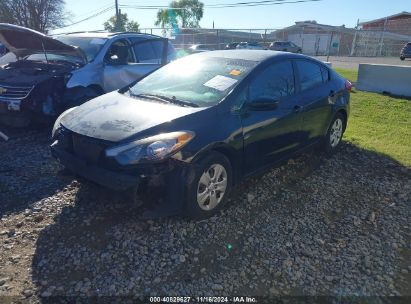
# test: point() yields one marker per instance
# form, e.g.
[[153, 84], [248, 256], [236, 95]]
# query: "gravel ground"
[[352, 63], [313, 226]]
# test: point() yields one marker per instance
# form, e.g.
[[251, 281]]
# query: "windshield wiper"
[[166, 99]]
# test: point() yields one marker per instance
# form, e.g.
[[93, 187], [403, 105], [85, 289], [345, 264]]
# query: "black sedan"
[[204, 122], [406, 51]]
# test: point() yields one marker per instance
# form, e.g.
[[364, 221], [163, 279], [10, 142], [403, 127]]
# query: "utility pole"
[[117, 17]]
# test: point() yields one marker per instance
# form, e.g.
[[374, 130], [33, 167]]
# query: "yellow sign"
[[235, 72]]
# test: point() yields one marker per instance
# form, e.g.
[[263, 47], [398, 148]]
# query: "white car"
[[250, 46], [51, 74], [198, 48]]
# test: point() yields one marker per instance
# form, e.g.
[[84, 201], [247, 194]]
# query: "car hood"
[[22, 42], [115, 117]]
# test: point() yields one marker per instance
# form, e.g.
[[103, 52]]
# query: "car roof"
[[106, 34], [252, 55]]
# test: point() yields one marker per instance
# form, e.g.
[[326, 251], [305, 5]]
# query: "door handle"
[[297, 108]]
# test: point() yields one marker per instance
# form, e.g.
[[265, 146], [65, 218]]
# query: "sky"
[[332, 12]]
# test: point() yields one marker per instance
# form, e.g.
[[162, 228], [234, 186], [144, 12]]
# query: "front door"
[[127, 62], [270, 132]]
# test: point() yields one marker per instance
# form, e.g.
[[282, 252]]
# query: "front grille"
[[14, 92], [89, 149]]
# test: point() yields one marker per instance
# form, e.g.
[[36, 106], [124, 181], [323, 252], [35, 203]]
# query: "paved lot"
[[352, 63], [314, 226]]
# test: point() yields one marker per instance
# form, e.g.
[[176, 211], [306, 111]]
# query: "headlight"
[[67, 77], [58, 120], [152, 148]]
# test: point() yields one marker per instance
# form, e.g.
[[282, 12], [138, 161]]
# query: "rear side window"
[[144, 52], [275, 82], [325, 74], [158, 48], [310, 74], [170, 49]]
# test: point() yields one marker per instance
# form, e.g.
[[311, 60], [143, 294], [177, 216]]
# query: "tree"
[[133, 26], [163, 18], [123, 25], [39, 15], [187, 13]]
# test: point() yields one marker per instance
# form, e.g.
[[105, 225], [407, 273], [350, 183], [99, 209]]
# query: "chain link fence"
[[313, 39]]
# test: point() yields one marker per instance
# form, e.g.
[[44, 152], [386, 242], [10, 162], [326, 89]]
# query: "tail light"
[[348, 85]]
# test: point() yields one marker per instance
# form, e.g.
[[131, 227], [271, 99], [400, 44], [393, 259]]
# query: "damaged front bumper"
[[86, 159], [104, 177], [85, 156], [11, 114]]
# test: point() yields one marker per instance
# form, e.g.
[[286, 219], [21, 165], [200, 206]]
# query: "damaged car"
[[52, 74], [203, 123]]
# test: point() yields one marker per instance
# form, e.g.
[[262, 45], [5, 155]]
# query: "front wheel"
[[211, 186], [334, 134], [402, 58]]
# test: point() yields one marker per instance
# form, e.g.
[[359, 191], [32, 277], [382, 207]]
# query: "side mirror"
[[263, 104]]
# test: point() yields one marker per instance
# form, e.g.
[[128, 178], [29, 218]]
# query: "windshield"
[[89, 45], [200, 81]]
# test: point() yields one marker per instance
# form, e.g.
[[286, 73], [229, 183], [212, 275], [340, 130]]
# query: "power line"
[[88, 18], [95, 10], [218, 5], [224, 5], [258, 3]]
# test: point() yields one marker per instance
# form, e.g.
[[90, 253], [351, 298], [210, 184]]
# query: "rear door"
[[270, 134], [315, 98]]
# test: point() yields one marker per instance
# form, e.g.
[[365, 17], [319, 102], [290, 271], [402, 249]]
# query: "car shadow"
[[102, 238], [27, 170]]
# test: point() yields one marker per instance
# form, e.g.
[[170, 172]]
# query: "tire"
[[402, 58], [334, 134], [198, 206]]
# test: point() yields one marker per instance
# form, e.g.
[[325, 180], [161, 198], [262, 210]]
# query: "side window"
[[158, 48], [325, 74], [171, 54], [148, 51], [310, 74], [119, 53], [275, 82]]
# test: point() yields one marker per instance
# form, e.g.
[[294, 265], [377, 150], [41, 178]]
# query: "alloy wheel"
[[212, 186], [336, 132]]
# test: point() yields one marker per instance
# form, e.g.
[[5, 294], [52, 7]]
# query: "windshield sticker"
[[220, 83], [98, 41], [235, 72]]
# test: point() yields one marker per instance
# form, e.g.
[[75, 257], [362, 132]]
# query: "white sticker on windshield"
[[98, 41], [220, 82]]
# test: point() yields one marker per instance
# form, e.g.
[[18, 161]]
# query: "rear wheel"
[[211, 186], [335, 134]]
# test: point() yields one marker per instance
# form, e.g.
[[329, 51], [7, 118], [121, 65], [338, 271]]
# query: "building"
[[318, 39], [398, 23], [382, 37]]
